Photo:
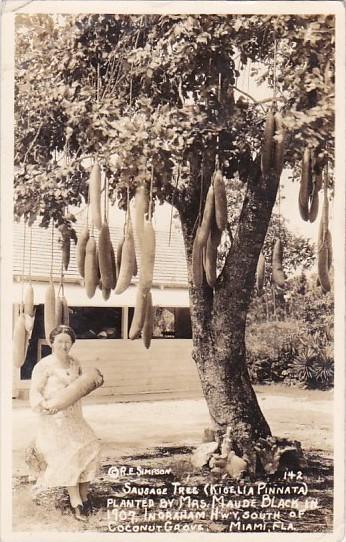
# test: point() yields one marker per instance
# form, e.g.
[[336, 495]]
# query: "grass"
[[50, 511]]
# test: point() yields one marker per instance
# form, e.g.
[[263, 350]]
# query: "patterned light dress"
[[64, 440]]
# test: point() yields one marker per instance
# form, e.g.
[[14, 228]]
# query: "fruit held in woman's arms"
[[83, 385]]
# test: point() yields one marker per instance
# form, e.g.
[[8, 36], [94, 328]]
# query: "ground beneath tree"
[[159, 490]]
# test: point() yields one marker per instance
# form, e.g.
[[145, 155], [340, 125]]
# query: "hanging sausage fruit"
[[316, 186], [279, 144], [141, 208], [127, 258], [140, 312], [220, 200], [273, 147], [114, 267], [324, 245], [80, 250], [143, 318], [260, 274], [309, 186], [148, 256], [91, 272], [148, 325], [29, 300], [105, 251], [19, 340], [105, 257], [62, 311], [277, 270], [49, 310], [209, 262], [208, 215], [29, 310], [29, 307], [210, 253], [197, 260], [118, 255], [146, 273], [209, 232], [95, 195], [305, 185]]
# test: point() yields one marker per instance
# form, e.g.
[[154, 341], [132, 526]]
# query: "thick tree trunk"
[[219, 319]]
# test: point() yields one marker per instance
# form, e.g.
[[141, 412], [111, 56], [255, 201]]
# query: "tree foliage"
[[144, 92]]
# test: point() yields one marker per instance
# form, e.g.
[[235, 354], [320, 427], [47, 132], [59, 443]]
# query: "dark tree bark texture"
[[219, 317]]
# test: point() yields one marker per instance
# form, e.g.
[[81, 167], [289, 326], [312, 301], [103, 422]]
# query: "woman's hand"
[[45, 408], [99, 380]]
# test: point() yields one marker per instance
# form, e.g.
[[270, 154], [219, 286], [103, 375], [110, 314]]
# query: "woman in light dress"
[[65, 441]]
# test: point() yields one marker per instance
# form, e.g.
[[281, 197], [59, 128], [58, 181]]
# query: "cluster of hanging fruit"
[[310, 184], [96, 260], [143, 317], [23, 327], [278, 276], [56, 311], [213, 221], [214, 218], [272, 159], [100, 267], [273, 147]]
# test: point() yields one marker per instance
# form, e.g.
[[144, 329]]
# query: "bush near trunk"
[[287, 352], [290, 339]]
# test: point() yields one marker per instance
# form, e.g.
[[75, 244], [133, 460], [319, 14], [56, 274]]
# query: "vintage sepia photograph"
[[172, 280]]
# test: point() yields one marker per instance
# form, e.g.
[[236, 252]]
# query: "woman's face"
[[62, 343]]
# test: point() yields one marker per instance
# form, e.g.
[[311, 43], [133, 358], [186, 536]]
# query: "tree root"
[[266, 456]]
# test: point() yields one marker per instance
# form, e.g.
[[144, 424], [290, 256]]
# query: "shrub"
[[287, 352], [271, 349]]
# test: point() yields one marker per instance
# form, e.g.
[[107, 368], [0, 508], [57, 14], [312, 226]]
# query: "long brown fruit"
[[197, 261], [210, 263], [148, 325], [49, 310], [139, 314], [260, 273], [148, 256], [19, 341], [29, 300], [208, 214], [91, 268], [80, 249], [305, 185], [95, 195], [220, 200], [323, 257], [277, 270], [105, 257], [127, 263], [279, 144], [88, 381]]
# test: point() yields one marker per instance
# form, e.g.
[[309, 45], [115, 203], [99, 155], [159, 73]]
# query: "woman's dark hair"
[[62, 329]]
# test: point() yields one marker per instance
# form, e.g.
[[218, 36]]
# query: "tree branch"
[[258, 102], [238, 275], [32, 142]]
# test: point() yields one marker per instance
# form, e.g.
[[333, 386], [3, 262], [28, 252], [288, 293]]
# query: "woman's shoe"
[[87, 507], [78, 513]]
